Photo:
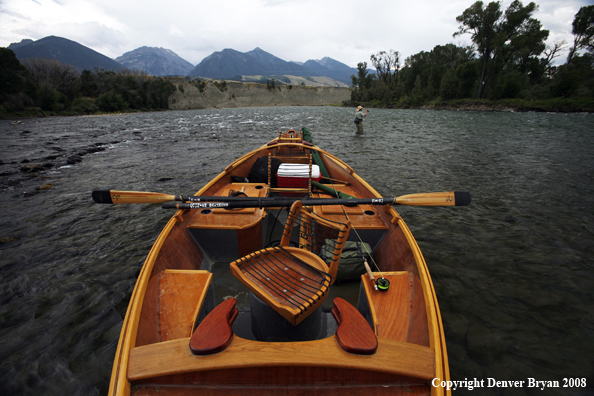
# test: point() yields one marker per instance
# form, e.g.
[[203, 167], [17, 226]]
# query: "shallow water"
[[513, 272]]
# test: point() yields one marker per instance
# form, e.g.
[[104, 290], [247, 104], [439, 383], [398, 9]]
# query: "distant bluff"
[[205, 95]]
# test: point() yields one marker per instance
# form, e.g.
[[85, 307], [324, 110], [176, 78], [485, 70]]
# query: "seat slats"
[[272, 271]]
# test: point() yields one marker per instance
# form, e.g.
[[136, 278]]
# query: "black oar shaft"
[[452, 198]]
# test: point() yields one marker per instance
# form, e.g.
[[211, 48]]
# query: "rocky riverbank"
[[192, 95], [556, 105], [30, 172]]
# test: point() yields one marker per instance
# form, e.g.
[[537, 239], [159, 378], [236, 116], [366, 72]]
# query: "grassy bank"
[[559, 105], [35, 112]]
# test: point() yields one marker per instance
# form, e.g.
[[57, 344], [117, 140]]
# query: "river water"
[[513, 272]]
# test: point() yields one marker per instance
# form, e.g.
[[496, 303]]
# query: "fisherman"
[[359, 118]]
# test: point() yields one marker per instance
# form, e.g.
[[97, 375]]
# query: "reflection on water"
[[513, 272]]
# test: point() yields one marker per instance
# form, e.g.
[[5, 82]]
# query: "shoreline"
[[559, 105]]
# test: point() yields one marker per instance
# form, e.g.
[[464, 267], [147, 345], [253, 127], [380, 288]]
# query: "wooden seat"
[[214, 333], [354, 335], [294, 281], [393, 311]]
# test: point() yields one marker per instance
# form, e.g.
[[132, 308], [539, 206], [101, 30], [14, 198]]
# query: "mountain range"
[[156, 61], [230, 63], [225, 64], [65, 51]]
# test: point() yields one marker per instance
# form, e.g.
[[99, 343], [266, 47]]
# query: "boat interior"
[[202, 319]]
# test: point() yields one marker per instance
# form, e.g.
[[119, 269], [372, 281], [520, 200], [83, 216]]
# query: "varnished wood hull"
[[153, 356]]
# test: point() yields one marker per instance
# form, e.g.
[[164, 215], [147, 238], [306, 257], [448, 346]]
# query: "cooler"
[[296, 176]]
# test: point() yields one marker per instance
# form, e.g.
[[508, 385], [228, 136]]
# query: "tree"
[[111, 101], [583, 31], [481, 23], [363, 79], [55, 75], [448, 88], [361, 82], [15, 89], [387, 66], [502, 39], [432, 66], [467, 74], [12, 73], [551, 52]]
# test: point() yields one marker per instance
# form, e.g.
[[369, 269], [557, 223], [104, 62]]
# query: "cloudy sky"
[[294, 30]]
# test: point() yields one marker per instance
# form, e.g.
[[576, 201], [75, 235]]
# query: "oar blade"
[[451, 198], [130, 197]]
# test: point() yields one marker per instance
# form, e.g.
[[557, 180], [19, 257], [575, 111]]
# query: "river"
[[513, 272]]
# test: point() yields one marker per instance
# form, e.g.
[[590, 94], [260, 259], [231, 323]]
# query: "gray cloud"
[[346, 30]]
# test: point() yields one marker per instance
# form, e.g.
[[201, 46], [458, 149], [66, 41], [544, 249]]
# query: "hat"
[[359, 108]]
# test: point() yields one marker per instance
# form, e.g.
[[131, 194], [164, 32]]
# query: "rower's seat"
[[294, 281]]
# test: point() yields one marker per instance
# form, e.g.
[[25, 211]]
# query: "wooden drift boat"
[[293, 328]]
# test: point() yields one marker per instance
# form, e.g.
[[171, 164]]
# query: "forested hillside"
[[43, 86], [508, 62]]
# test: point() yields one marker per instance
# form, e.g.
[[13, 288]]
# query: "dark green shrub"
[[84, 106], [111, 101]]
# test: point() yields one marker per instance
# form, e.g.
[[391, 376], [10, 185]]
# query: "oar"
[[456, 198]]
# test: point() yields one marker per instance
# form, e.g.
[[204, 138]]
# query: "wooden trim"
[[437, 336], [174, 357]]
